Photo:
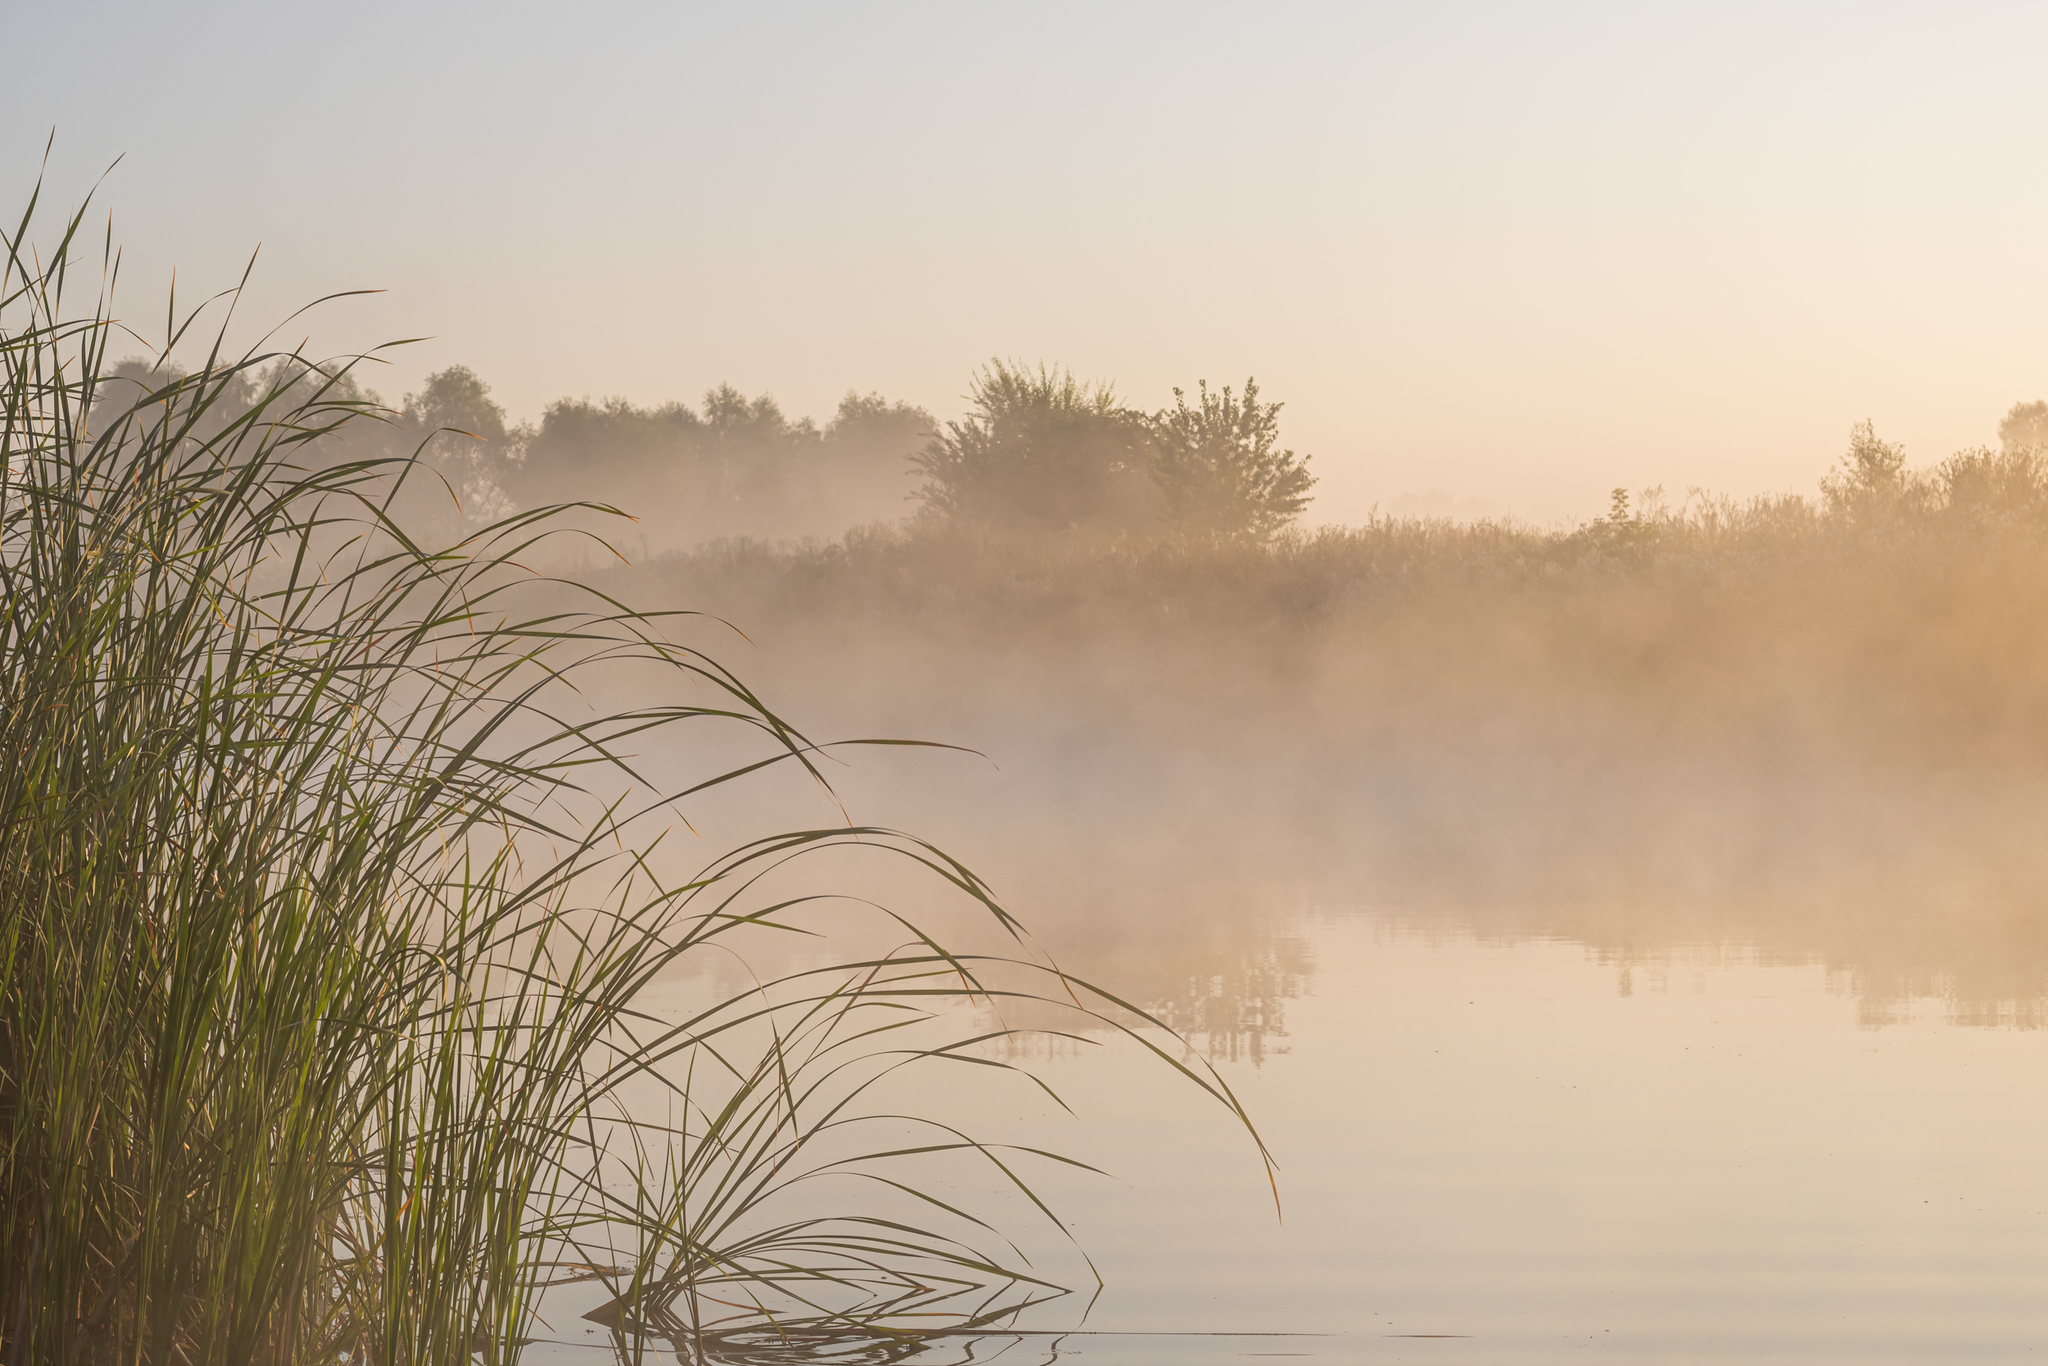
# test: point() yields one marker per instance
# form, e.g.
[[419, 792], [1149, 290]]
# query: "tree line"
[[1039, 452]]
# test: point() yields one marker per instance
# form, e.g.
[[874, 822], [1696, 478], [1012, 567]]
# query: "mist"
[[1095, 745], [927, 683], [1071, 699], [1800, 726], [1693, 777]]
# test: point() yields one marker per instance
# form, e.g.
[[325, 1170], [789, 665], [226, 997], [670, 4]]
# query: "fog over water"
[[1814, 759], [1630, 940], [1574, 909], [1477, 572], [1624, 937]]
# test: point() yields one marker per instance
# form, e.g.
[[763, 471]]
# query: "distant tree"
[[786, 477], [1040, 452], [866, 474], [1988, 490], [751, 455], [870, 424], [606, 452], [363, 428], [1869, 483], [1220, 465], [125, 384], [736, 466], [733, 418], [455, 400], [459, 431], [2025, 428]]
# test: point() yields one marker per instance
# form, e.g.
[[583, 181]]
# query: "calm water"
[[1674, 1064], [1518, 1149], [1551, 1157]]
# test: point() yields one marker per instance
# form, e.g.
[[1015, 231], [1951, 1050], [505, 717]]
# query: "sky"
[[1493, 258]]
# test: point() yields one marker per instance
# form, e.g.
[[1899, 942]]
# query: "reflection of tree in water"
[[1979, 988], [1216, 964], [1238, 1012], [1215, 958], [1975, 955]]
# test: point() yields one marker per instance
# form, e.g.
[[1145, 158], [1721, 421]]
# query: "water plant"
[[329, 914]]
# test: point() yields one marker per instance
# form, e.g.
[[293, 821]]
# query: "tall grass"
[[325, 919]]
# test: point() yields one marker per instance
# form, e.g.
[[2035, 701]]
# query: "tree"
[[2025, 427], [865, 474], [456, 400], [751, 456], [128, 383], [460, 431], [606, 452], [1040, 452], [1869, 483], [1220, 466], [871, 428], [737, 466]]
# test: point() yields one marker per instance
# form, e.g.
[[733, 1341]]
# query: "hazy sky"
[[1515, 252]]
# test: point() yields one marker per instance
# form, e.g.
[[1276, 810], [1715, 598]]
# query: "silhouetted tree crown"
[[2025, 427], [1040, 451], [455, 400], [586, 450], [1220, 466], [870, 422], [735, 466]]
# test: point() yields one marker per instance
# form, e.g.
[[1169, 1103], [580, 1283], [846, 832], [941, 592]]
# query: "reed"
[[327, 910]]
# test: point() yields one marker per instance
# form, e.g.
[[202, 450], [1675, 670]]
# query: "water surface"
[[1663, 1059], [1541, 1154]]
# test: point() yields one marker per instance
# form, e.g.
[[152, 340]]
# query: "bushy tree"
[[1040, 451], [455, 400], [1988, 490], [868, 426], [128, 382], [750, 456], [459, 431], [731, 418], [2025, 428], [1220, 466]]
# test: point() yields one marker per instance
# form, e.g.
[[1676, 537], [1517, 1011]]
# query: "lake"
[[1671, 1061]]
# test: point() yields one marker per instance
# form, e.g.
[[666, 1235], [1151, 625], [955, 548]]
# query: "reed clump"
[[326, 916]]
